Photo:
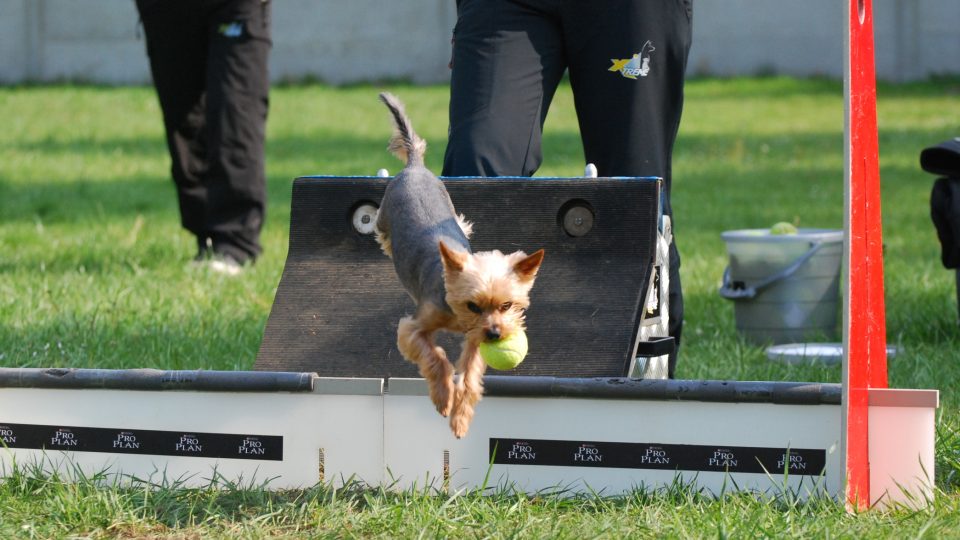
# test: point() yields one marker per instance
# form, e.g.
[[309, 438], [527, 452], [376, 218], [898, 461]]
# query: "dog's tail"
[[405, 144]]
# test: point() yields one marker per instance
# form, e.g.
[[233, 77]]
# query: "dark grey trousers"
[[626, 61], [209, 64]]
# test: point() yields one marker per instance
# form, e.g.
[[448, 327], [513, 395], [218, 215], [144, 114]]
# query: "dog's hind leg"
[[416, 344]]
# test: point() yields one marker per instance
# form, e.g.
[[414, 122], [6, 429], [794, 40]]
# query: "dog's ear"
[[453, 261], [527, 267]]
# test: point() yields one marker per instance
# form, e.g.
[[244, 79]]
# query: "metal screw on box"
[[365, 218], [577, 220]]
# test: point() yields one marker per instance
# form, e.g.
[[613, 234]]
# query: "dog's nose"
[[493, 333]]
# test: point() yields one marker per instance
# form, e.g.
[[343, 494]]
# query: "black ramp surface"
[[339, 300]]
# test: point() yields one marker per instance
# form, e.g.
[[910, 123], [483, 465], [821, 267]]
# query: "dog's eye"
[[506, 306], [474, 308]]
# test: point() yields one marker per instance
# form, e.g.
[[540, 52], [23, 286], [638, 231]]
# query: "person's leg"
[[237, 102], [627, 62], [675, 307], [176, 46], [507, 61]]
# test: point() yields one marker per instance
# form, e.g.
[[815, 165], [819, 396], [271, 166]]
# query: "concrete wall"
[[914, 39], [341, 41]]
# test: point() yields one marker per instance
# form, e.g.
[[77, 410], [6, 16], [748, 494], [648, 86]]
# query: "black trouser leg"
[[627, 63], [176, 45], [507, 63], [675, 307], [237, 103]]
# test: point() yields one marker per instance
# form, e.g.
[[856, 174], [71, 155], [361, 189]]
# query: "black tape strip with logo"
[[142, 441], [685, 457]]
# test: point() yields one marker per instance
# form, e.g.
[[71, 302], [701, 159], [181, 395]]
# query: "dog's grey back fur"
[[416, 213]]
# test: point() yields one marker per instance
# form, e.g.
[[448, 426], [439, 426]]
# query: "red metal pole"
[[865, 348]]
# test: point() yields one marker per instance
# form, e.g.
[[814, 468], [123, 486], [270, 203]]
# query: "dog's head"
[[489, 292]]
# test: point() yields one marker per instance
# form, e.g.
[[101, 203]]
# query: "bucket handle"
[[738, 291]]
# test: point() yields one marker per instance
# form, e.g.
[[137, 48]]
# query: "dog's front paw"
[[459, 425], [461, 417], [441, 394], [442, 399]]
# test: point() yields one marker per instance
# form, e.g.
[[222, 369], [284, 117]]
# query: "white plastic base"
[[595, 433], [902, 427], [351, 430]]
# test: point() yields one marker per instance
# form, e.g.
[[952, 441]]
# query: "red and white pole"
[[864, 336]]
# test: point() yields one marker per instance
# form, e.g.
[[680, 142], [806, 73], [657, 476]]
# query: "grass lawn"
[[93, 273]]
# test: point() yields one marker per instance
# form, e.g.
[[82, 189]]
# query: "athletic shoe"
[[225, 264], [221, 263]]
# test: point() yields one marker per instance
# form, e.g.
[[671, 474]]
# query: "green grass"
[[93, 273]]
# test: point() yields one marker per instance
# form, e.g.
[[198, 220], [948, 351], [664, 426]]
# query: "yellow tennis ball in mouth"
[[506, 353]]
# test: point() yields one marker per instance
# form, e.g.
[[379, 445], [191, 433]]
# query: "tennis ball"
[[783, 228], [506, 353]]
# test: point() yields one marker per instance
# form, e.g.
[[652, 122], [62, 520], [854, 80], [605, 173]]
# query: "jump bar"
[[156, 379], [792, 393]]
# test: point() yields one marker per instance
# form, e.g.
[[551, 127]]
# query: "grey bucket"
[[784, 288]]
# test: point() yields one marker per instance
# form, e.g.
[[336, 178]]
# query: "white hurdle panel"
[[284, 433], [613, 435], [293, 430]]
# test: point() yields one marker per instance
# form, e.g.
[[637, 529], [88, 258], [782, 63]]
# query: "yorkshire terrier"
[[481, 295]]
